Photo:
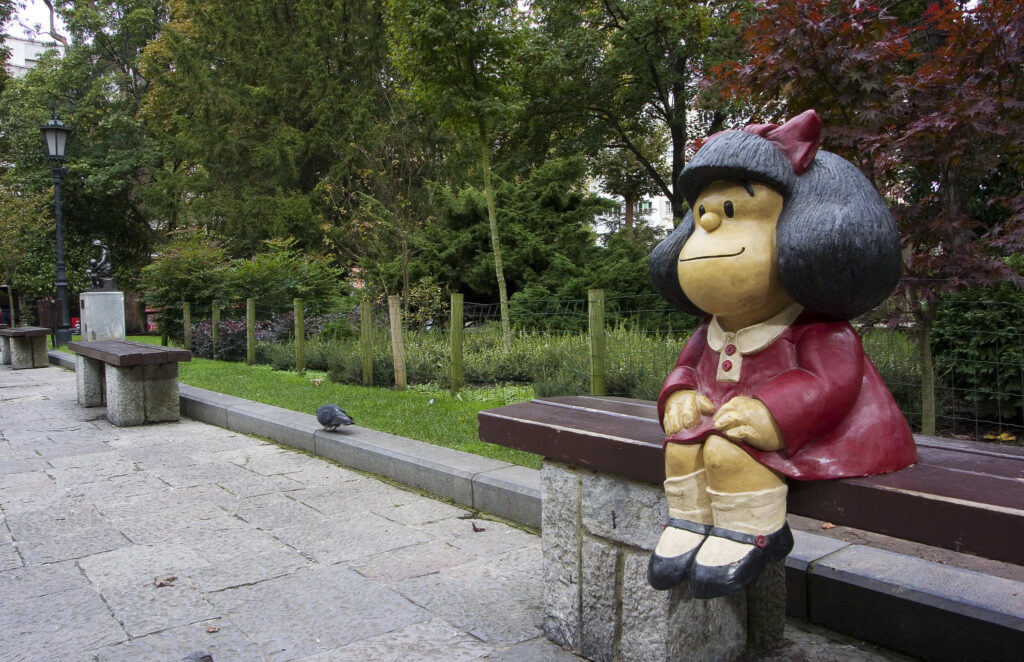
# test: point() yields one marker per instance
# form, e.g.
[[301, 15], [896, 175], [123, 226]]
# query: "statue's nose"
[[710, 220]]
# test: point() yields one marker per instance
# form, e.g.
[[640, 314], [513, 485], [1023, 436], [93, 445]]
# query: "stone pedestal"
[[5, 350], [102, 315], [598, 534]]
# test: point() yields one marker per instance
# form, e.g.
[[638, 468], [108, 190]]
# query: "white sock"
[[756, 513]]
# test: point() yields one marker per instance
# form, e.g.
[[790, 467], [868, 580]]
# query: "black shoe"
[[712, 581], [668, 572]]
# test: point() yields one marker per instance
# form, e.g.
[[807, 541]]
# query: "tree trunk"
[[499, 272], [629, 201], [405, 273]]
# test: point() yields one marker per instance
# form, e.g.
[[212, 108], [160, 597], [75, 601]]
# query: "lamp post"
[[56, 134]]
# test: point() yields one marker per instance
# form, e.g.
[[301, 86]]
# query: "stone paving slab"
[[275, 555]]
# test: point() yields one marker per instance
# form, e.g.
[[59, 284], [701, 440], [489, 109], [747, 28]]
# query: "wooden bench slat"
[[25, 331], [126, 353], [959, 491], [970, 462], [623, 406]]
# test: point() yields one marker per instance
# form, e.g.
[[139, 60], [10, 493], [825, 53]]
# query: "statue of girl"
[[782, 244]]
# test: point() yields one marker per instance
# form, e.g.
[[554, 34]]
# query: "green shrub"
[[896, 358], [978, 345]]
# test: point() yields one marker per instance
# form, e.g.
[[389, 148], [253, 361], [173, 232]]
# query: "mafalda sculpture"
[[783, 243]]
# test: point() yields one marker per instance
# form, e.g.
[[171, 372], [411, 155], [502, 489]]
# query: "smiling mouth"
[[708, 257]]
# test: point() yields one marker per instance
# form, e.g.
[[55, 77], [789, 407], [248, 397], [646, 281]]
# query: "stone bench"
[[138, 382], [603, 509], [24, 347]]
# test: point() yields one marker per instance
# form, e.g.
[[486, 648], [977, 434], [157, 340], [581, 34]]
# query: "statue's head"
[[772, 220]]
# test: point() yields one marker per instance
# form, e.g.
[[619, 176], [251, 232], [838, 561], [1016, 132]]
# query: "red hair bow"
[[799, 138]]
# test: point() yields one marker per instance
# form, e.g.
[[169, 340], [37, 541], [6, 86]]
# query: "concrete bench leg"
[[89, 381], [125, 394], [142, 394], [28, 352], [5, 350], [161, 386]]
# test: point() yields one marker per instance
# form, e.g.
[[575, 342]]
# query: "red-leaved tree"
[[929, 105]]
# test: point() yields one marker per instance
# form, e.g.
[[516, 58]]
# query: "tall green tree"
[[622, 174], [615, 73], [257, 103], [459, 59]]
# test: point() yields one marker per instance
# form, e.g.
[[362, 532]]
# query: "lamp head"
[[55, 134]]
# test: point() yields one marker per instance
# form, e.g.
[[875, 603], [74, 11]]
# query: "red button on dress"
[[727, 365], [730, 349]]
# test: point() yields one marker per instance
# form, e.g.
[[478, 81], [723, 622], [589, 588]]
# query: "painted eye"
[[700, 211], [729, 211]]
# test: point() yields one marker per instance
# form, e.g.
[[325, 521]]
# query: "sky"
[[34, 13]]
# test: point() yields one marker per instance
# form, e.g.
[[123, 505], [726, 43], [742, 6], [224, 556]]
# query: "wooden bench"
[[138, 382], [961, 495], [24, 347]]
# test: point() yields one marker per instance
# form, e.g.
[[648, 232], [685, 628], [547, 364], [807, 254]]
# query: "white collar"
[[755, 337]]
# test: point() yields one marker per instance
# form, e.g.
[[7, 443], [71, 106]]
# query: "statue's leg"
[[749, 505], [689, 511]]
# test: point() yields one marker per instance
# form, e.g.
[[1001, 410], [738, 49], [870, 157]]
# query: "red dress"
[[836, 415]]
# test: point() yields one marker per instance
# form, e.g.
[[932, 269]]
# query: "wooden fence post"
[[366, 339], [215, 326], [397, 349], [458, 331], [300, 337], [595, 308], [250, 331], [186, 321]]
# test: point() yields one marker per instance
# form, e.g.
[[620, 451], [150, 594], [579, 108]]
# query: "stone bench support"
[[598, 531], [137, 382], [24, 347]]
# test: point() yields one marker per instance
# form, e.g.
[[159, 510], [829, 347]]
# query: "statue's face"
[[729, 266]]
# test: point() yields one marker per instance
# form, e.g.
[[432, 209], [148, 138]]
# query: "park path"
[[163, 541], [155, 542]]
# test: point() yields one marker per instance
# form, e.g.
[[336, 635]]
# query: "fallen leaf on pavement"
[[165, 581]]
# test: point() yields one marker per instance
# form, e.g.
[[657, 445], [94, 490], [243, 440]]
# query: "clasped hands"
[[740, 419]]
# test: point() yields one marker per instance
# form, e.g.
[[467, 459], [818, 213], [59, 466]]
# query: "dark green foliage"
[[550, 247], [978, 343]]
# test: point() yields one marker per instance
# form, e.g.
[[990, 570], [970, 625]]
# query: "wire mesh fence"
[[977, 351]]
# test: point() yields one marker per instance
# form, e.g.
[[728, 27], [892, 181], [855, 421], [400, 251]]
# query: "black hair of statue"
[[839, 251]]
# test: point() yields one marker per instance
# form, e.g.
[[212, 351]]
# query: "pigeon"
[[331, 416]]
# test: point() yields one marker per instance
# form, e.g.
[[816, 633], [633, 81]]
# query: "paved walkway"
[[157, 542]]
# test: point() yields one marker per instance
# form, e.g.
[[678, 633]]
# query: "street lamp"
[[56, 135]]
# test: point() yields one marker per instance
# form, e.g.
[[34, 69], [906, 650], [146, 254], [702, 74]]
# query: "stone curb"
[[908, 604]]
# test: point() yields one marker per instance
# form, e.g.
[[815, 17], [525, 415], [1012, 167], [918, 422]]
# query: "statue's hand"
[[748, 420], [683, 410]]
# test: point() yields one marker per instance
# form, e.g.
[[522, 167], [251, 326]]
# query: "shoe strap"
[[687, 525], [757, 540]]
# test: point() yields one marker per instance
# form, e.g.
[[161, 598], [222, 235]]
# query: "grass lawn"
[[424, 413]]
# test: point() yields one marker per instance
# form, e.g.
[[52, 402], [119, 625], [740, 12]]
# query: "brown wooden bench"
[[138, 382], [24, 347], [961, 495]]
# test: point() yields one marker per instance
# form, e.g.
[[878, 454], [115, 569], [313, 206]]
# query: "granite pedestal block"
[[598, 534], [102, 315]]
